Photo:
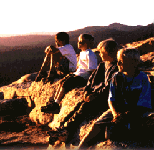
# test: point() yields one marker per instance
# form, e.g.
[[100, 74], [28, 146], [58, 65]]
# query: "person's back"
[[68, 51]]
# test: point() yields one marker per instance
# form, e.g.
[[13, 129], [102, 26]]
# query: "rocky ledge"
[[23, 123]]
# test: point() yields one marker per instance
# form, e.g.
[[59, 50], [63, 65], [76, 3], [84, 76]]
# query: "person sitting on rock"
[[98, 82], [129, 97], [96, 90], [61, 59], [130, 89], [87, 63]]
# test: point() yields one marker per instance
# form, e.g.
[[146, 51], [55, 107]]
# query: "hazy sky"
[[26, 16]]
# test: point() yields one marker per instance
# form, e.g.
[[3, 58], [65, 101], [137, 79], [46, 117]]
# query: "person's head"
[[61, 39], [128, 59], [85, 41], [108, 50]]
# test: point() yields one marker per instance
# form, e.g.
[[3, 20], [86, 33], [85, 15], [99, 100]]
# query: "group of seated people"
[[62, 61], [115, 88]]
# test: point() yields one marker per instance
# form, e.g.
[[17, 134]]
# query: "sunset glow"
[[24, 17]]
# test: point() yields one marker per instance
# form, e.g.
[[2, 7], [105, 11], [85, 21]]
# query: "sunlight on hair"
[[130, 52]]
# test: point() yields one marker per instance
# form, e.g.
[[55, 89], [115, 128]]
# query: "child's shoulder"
[[142, 74], [118, 74], [90, 51], [118, 77]]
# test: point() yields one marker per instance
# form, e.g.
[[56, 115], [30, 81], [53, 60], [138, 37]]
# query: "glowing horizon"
[[48, 33], [33, 16]]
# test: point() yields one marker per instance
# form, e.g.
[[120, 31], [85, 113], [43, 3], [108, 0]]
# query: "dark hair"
[[63, 36], [109, 45], [88, 37]]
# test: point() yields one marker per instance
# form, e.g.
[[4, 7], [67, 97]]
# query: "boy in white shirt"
[[86, 64], [61, 58]]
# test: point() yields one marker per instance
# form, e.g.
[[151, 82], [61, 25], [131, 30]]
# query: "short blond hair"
[[131, 53], [110, 46]]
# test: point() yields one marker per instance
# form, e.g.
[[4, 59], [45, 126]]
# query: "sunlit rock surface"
[[31, 126]]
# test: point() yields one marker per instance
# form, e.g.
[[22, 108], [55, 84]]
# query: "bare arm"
[[51, 50]]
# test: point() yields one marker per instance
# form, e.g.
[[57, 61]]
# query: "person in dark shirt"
[[129, 98], [133, 97], [96, 90], [98, 81]]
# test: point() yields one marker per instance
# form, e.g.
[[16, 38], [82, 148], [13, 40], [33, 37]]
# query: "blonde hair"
[[131, 53], [110, 46]]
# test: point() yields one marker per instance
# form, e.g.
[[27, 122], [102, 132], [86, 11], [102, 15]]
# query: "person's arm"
[[82, 63], [115, 100], [47, 60], [51, 50], [118, 110], [95, 79], [106, 78], [92, 63], [112, 101], [88, 88]]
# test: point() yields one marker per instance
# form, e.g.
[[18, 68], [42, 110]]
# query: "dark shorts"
[[72, 82], [64, 66]]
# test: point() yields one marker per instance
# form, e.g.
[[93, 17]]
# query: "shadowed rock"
[[1, 95], [14, 107], [41, 95]]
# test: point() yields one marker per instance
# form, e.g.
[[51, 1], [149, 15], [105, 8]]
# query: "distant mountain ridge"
[[24, 40], [121, 33], [117, 26]]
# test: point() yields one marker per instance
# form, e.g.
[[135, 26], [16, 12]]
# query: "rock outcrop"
[[144, 46], [26, 97]]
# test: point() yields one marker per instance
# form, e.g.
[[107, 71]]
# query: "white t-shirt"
[[69, 52], [87, 62]]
